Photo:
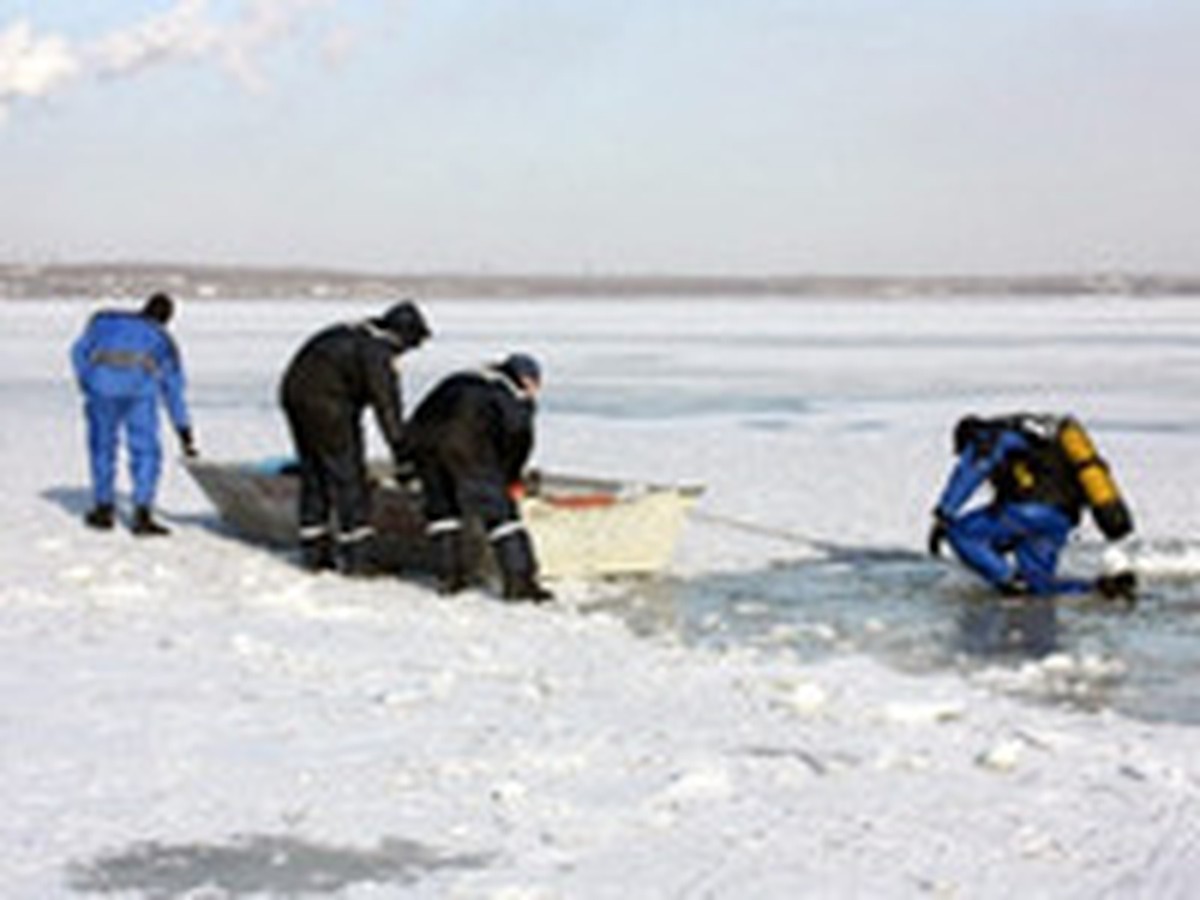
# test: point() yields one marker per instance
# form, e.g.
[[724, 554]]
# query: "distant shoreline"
[[116, 280]]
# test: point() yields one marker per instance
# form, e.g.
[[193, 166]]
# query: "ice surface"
[[195, 717]]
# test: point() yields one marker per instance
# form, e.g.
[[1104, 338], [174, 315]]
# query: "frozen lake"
[[826, 424], [806, 704], [821, 429]]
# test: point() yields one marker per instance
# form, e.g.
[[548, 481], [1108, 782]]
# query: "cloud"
[[181, 33], [35, 68], [263, 23]]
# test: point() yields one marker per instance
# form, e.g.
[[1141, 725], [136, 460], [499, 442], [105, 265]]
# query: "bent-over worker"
[[332, 379], [471, 437]]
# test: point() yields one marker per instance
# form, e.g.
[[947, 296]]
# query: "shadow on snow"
[[259, 865]]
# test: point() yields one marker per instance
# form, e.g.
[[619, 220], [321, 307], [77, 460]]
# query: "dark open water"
[[922, 615]]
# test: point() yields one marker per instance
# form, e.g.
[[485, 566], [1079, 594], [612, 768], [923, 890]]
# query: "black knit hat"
[[160, 307]]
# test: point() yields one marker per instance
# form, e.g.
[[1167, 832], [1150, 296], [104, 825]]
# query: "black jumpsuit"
[[334, 376], [471, 437]]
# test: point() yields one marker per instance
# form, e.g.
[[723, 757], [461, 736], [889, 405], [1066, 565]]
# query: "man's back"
[[474, 418], [123, 354]]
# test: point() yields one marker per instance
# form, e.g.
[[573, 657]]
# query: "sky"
[[709, 136]]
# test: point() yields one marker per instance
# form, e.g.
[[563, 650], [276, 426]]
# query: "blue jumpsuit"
[[1012, 544], [123, 362]]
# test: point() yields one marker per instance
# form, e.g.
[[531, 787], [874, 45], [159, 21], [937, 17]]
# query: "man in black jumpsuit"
[[471, 437], [331, 379]]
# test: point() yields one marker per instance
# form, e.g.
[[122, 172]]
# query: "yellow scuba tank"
[[1109, 511]]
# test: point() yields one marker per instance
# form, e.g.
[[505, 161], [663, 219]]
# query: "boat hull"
[[581, 527]]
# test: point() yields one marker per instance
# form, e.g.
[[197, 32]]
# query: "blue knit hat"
[[522, 366]]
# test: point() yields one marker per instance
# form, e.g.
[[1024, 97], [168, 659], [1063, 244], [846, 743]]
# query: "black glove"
[[187, 443], [1118, 586], [532, 479], [937, 534]]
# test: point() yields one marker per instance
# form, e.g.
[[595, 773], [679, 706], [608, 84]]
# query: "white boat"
[[581, 527]]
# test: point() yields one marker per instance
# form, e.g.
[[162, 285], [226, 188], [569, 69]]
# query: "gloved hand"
[[937, 534], [187, 443], [532, 479], [1118, 586]]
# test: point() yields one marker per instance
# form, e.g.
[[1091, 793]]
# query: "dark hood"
[[405, 321]]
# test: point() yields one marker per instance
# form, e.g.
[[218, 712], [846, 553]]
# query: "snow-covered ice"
[[194, 717]]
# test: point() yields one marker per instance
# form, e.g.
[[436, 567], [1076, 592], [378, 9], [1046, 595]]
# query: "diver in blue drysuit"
[[124, 362], [1014, 541]]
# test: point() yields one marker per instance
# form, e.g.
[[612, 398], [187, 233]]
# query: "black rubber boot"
[[317, 554], [448, 568], [1015, 587], [518, 568], [358, 559], [102, 516], [145, 525]]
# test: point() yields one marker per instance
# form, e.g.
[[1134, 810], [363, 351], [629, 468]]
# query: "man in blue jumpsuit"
[[124, 362], [1014, 542]]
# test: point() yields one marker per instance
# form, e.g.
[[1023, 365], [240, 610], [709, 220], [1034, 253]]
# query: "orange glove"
[[516, 491]]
